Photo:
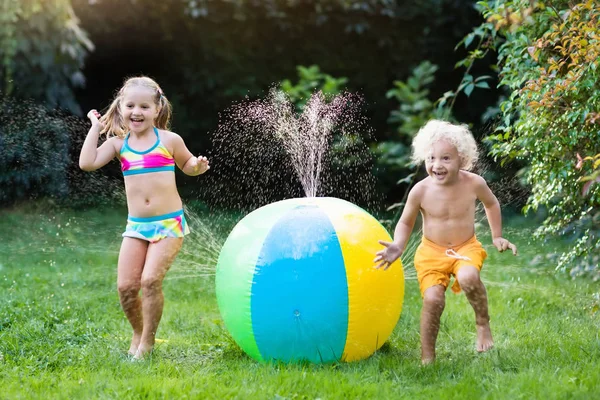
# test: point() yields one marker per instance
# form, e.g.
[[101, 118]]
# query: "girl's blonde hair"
[[113, 120], [457, 135]]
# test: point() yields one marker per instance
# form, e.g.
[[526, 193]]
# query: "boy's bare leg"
[[470, 282], [159, 258], [129, 274], [434, 301]]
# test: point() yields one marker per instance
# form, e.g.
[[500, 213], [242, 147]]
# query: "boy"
[[446, 200]]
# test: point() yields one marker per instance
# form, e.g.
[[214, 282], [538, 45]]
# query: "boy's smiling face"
[[443, 163]]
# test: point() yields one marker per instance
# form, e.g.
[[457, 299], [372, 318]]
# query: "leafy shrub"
[[39, 153], [34, 148], [311, 79], [415, 107], [549, 59]]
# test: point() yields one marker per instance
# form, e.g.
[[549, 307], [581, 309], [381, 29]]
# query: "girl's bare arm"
[[93, 157], [185, 160]]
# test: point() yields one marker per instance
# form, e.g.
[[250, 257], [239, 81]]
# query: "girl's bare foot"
[[484, 337], [427, 361], [142, 352], [135, 343]]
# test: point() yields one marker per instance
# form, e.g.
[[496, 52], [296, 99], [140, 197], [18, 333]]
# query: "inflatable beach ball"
[[296, 282]]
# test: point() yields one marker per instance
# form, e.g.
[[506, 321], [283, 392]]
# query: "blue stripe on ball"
[[300, 291]]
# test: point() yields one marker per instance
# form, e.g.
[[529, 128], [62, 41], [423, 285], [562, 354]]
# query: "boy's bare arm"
[[407, 220], [393, 250], [494, 215]]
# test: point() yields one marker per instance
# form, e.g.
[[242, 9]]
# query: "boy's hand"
[[387, 256], [503, 244], [94, 117]]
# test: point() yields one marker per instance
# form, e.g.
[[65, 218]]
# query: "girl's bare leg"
[[470, 282], [159, 257], [129, 274], [434, 301]]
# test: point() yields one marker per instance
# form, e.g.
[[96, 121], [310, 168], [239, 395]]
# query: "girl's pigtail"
[[113, 121], [163, 119]]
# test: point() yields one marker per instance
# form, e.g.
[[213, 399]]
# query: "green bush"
[[548, 55], [39, 153], [34, 152], [415, 107], [311, 79]]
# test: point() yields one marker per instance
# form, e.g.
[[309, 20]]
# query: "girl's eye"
[[446, 158]]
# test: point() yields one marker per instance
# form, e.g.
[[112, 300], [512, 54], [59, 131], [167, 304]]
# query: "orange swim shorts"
[[435, 264]]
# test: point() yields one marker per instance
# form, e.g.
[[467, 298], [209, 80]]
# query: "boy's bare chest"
[[448, 204]]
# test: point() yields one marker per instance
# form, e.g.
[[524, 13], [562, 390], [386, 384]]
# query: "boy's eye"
[[446, 158]]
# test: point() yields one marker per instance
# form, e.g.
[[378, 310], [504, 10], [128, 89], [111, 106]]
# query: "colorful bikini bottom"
[[158, 227]]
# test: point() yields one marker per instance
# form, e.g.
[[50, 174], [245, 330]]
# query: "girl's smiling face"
[[443, 162], [139, 109]]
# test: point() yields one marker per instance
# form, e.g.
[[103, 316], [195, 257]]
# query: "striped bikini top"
[[157, 158]]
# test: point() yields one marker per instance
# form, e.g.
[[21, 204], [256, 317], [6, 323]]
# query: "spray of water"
[[324, 146], [306, 137], [200, 251]]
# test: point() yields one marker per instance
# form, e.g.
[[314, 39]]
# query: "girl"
[[136, 125]]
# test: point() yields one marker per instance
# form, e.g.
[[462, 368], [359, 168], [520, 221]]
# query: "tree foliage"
[[415, 107], [43, 50], [208, 54], [311, 79], [548, 55]]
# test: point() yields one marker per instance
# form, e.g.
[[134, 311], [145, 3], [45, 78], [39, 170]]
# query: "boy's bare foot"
[[484, 337], [427, 357], [135, 343]]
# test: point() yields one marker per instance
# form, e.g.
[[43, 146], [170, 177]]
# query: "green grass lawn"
[[63, 334]]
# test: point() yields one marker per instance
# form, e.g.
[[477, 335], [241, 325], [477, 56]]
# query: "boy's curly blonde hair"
[[457, 135]]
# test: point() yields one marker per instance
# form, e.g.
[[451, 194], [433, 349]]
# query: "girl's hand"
[[94, 117], [195, 165], [503, 244], [387, 256], [201, 165]]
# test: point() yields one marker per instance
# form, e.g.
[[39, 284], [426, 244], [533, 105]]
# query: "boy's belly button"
[[147, 201]]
